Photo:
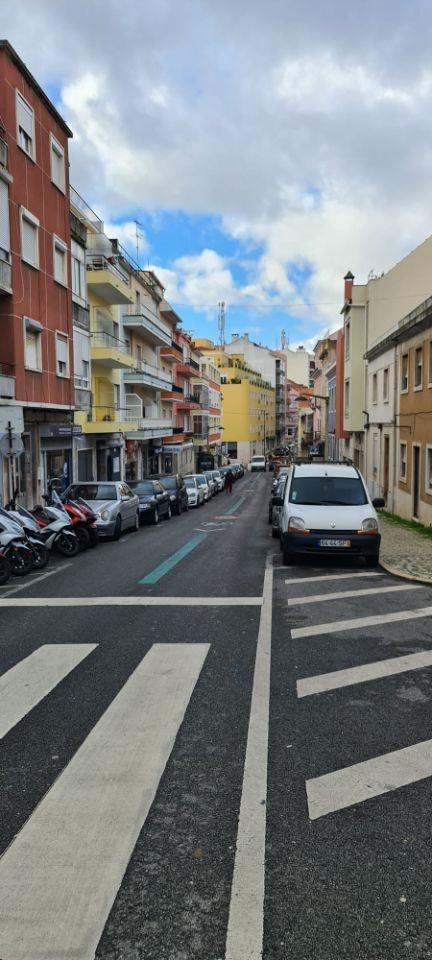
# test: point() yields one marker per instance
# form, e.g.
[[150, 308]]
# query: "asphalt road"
[[139, 708]]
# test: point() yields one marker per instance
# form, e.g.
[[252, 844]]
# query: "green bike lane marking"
[[183, 551]]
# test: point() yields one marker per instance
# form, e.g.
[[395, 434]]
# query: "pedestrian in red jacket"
[[229, 480]]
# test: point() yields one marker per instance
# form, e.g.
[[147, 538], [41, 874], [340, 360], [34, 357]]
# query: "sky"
[[264, 148]]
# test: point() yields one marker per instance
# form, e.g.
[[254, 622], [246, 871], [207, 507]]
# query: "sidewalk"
[[404, 552]]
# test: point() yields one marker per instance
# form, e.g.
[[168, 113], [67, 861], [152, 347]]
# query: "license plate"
[[334, 543]]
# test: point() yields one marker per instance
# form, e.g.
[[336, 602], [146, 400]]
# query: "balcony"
[[146, 419], [172, 353], [147, 375], [5, 277], [141, 319], [184, 368], [189, 402], [7, 382], [107, 279], [175, 393], [110, 352], [106, 419], [80, 316]]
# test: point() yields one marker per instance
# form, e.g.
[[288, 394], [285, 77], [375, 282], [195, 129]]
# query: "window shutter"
[[31, 349], [59, 264], [4, 216], [62, 349], [25, 116], [29, 241]]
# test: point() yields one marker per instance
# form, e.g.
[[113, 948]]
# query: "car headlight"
[[145, 506], [370, 525], [172, 496], [104, 515], [296, 523]]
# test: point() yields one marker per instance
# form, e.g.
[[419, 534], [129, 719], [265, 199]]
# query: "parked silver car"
[[115, 505]]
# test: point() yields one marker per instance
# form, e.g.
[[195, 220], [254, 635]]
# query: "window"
[[4, 221], [418, 368], [374, 388], [386, 385], [430, 363], [403, 461], [29, 238], [60, 260], [57, 164], [347, 397], [62, 355], [25, 126], [404, 373], [78, 271], [82, 359], [347, 340], [32, 344], [429, 469]]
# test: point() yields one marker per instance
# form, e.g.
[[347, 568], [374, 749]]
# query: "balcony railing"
[[103, 339], [7, 381], [96, 262], [3, 153], [135, 315], [5, 276], [84, 211], [81, 315]]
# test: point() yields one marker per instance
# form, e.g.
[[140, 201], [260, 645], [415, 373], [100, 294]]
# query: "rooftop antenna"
[[284, 340], [221, 322], [138, 237]]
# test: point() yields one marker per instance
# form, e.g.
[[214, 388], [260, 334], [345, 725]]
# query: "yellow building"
[[248, 404]]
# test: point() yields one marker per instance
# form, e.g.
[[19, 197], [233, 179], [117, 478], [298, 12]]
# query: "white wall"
[[258, 358], [381, 424]]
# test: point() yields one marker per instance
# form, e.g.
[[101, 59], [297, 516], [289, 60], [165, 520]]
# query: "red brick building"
[[36, 331]]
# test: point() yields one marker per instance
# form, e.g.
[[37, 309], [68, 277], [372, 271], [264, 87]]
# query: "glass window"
[[374, 388], [25, 126], [386, 384], [347, 397], [429, 469], [60, 261], [78, 270], [170, 483], [418, 367], [347, 340], [93, 491], [430, 362], [319, 491], [62, 355], [404, 373], [403, 461], [33, 349]]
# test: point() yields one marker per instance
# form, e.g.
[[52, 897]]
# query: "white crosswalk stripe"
[[349, 594], [26, 684], [368, 671], [61, 874]]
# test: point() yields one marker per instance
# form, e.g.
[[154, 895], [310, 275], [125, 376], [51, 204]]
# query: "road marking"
[[26, 684], [60, 875], [246, 915], [132, 602], [362, 781], [369, 671], [334, 576], [32, 580], [340, 626], [341, 594], [173, 560], [235, 506]]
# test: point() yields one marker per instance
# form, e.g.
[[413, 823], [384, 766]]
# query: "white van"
[[327, 510], [257, 463]]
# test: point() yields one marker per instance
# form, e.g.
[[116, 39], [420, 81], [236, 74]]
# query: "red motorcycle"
[[80, 515]]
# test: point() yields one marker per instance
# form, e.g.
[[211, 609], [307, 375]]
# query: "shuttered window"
[[57, 164], [25, 126], [60, 262], [29, 238], [32, 342], [62, 355], [82, 359], [78, 270], [4, 221]]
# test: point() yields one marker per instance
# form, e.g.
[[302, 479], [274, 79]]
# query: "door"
[[85, 464], [416, 480], [386, 454]]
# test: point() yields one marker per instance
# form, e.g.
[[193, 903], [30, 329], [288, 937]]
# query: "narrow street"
[[138, 704]]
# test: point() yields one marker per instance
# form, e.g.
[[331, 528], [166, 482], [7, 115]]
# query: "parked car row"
[[324, 509]]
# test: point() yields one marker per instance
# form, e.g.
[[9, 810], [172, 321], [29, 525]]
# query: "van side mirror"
[[378, 503]]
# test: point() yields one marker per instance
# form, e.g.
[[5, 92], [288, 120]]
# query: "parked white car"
[[257, 463], [327, 510], [201, 479], [194, 490]]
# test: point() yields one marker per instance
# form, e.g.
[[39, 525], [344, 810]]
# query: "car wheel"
[[177, 509], [117, 528], [156, 517], [169, 512], [275, 533], [373, 560]]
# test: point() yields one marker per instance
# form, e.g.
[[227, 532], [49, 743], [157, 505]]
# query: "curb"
[[405, 576]]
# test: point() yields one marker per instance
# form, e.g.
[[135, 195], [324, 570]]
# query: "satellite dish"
[[11, 447]]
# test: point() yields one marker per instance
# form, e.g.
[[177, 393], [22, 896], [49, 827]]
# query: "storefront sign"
[[60, 430]]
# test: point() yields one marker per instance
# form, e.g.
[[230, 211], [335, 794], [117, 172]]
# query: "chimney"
[[235, 336], [349, 279], [245, 336]]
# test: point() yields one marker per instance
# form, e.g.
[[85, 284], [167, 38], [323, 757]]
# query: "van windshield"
[[328, 491]]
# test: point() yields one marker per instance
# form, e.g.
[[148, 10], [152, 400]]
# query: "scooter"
[[55, 529], [17, 552], [82, 518], [31, 531], [5, 570]]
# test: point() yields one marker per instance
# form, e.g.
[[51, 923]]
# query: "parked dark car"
[[175, 486], [154, 500]]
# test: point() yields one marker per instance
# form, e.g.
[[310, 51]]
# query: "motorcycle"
[[29, 527], [14, 548], [5, 570], [55, 529], [80, 515]]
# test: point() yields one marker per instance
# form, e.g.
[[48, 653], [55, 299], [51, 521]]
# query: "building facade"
[[36, 345]]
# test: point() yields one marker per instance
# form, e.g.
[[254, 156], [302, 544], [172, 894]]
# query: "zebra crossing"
[[375, 776], [61, 873]]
